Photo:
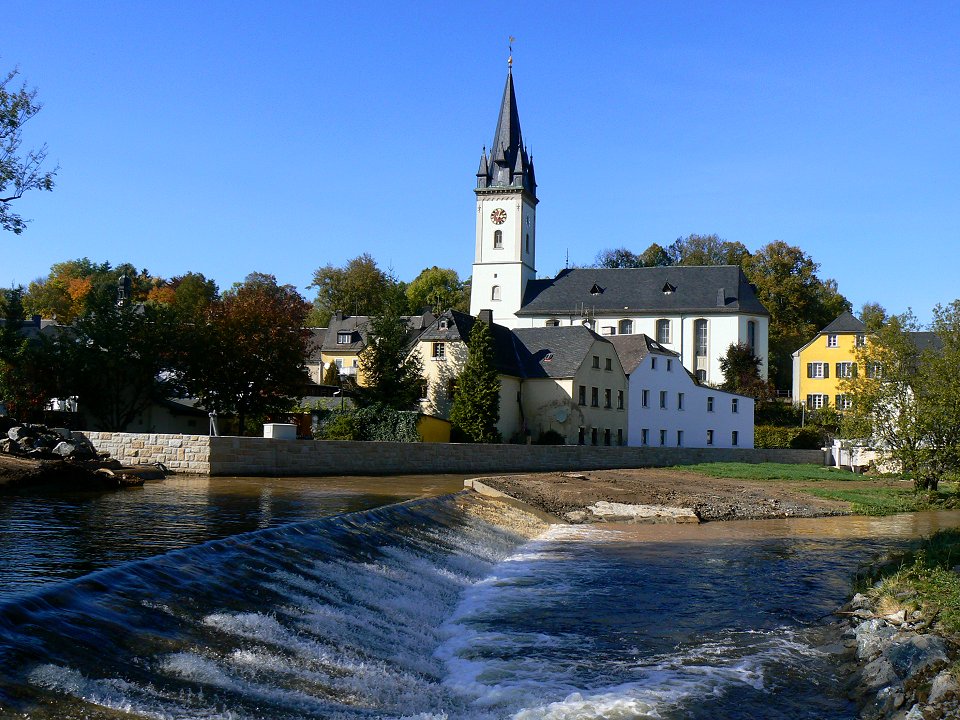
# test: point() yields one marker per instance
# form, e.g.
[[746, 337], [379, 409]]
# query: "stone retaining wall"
[[239, 456]]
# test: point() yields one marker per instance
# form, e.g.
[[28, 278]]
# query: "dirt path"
[[711, 498]]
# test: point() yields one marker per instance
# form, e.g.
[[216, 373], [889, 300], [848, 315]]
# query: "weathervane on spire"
[[510, 58]]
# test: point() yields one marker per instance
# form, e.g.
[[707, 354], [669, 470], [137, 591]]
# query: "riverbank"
[[18, 473]]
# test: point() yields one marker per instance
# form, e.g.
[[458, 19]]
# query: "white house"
[[698, 312], [667, 407]]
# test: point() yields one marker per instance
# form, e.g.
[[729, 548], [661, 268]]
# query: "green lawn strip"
[[769, 471], [877, 500], [924, 580]]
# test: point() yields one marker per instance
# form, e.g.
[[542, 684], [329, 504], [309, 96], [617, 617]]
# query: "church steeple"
[[509, 165]]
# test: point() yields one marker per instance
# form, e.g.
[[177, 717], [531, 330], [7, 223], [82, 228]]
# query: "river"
[[243, 601]]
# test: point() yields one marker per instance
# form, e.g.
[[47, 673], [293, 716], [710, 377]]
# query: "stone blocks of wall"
[[243, 456], [180, 453]]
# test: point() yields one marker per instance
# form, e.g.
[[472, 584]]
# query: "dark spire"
[[509, 163]]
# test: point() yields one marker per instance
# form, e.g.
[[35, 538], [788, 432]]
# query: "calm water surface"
[[57, 535]]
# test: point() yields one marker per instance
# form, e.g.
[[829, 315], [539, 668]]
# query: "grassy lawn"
[[867, 495], [769, 471], [925, 581]]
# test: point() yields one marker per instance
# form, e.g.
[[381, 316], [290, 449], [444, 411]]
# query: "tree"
[[476, 406], [438, 289], [118, 358], [331, 375], [248, 355], [873, 315], [741, 373], [654, 256], [359, 288], [20, 171], [29, 373], [799, 302], [706, 250], [392, 374], [617, 258]]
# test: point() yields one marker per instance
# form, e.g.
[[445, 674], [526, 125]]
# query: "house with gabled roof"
[[669, 408], [823, 363], [697, 312]]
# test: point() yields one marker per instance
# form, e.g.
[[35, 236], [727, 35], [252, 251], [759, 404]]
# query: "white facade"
[[505, 253], [667, 408]]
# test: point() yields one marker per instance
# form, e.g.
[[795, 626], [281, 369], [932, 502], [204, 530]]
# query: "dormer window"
[[668, 289], [344, 338], [596, 290], [442, 325]]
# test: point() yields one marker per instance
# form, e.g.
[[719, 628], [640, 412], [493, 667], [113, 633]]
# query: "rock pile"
[[905, 670], [38, 442]]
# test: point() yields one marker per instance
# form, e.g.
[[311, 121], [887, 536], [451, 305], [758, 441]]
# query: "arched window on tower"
[[495, 291], [498, 238], [528, 242], [752, 335]]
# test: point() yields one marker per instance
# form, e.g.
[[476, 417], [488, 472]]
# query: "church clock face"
[[499, 216]]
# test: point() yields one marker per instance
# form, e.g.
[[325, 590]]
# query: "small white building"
[[668, 407]]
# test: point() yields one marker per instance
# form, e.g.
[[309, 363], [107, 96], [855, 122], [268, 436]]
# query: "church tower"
[[505, 254]]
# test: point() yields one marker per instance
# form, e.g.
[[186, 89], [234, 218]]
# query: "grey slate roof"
[[315, 343], [358, 327], [926, 341], [458, 328], [845, 323], [634, 349], [554, 352], [626, 291], [508, 164]]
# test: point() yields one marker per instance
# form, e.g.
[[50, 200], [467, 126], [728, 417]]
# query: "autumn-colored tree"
[[799, 302], [359, 288], [248, 355], [192, 295], [437, 289], [20, 171]]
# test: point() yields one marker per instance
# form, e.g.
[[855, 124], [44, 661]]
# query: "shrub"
[[375, 422], [773, 436]]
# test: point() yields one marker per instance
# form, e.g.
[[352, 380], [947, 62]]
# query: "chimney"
[[338, 315], [485, 316], [37, 320]]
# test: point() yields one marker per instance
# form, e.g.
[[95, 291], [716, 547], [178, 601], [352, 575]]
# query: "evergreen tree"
[[476, 406], [391, 374], [741, 373], [331, 376]]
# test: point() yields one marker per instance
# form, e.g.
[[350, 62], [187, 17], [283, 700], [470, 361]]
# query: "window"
[[679, 438], [451, 389], [752, 335], [734, 438], [594, 398], [709, 403], [593, 436], [663, 398], [701, 375], [816, 401], [424, 390], [669, 365], [843, 402], [874, 370], [339, 363], [608, 398], [596, 361], [735, 405], [498, 238], [582, 436], [606, 436], [653, 363], [644, 436], [626, 327], [832, 341], [442, 324], [846, 370], [607, 364], [663, 437], [644, 398], [663, 332], [608, 330], [619, 436], [818, 370], [344, 338], [679, 401], [528, 242], [583, 395], [552, 322], [861, 340], [495, 292], [439, 351], [619, 399], [700, 336], [709, 437]]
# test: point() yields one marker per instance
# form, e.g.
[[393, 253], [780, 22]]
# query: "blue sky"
[[231, 137]]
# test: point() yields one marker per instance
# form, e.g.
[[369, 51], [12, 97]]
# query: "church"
[[696, 312]]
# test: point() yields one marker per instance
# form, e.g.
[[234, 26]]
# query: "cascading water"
[[427, 610]]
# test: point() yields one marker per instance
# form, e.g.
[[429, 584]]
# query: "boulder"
[[64, 449], [913, 655], [19, 433], [943, 687], [871, 637]]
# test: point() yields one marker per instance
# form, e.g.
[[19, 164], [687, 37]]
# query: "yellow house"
[[823, 363]]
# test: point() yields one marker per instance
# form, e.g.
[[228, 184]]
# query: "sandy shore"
[[570, 495]]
